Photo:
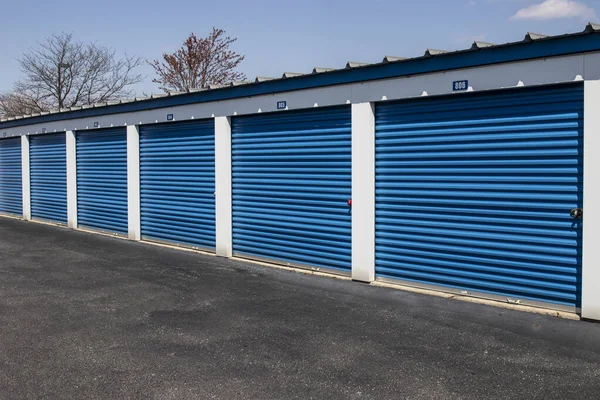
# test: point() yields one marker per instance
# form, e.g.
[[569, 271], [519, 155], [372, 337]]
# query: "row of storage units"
[[473, 192]]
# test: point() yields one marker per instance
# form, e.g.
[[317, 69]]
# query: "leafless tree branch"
[[62, 72]]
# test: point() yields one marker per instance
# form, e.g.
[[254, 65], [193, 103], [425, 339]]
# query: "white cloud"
[[554, 9]]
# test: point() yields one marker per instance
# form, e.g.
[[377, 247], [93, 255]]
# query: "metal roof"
[[353, 64], [534, 36], [480, 45], [263, 79], [434, 52], [432, 60], [291, 74], [387, 59]]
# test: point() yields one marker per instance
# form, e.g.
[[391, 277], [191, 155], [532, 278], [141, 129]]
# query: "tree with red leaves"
[[198, 63]]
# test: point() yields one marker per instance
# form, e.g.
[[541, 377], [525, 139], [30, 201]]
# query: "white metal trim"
[[71, 179], [480, 295], [178, 245], [522, 73], [26, 177], [590, 302], [102, 232], [275, 262], [223, 191], [133, 183], [363, 192]]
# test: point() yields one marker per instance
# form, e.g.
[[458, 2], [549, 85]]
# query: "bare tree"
[[65, 73], [13, 104], [198, 63]]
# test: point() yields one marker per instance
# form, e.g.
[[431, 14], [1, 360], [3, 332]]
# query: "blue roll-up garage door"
[[291, 185], [177, 179], [102, 180], [11, 188], [48, 162], [474, 192]]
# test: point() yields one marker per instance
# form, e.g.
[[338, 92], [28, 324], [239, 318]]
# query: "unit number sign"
[[460, 85]]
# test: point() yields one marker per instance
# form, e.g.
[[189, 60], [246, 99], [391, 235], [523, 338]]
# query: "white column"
[[71, 179], [590, 303], [224, 220], [25, 177], [133, 182], [363, 192]]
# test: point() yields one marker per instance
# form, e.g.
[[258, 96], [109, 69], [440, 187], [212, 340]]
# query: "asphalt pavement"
[[85, 316]]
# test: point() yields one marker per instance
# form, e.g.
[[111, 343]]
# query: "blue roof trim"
[[550, 47]]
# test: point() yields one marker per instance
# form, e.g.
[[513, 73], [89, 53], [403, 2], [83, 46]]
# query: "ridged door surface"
[[48, 163], [474, 192], [102, 180], [11, 188], [291, 185], [178, 182]]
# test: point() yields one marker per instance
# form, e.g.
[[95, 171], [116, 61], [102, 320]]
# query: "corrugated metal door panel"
[[474, 192], [178, 182], [48, 163], [102, 180], [11, 189], [291, 184]]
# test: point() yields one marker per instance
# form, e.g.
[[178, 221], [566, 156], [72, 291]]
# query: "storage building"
[[467, 172]]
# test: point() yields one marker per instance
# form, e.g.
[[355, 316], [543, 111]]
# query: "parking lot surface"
[[84, 316]]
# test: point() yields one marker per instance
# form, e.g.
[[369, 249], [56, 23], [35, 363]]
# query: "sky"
[[284, 36]]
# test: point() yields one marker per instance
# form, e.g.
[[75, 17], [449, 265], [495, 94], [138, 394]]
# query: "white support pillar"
[[133, 182], [71, 179], [223, 192], [363, 192], [590, 302], [26, 177]]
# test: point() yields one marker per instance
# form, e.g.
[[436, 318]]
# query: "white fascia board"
[[523, 73]]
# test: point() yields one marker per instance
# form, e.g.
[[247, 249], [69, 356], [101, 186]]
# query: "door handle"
[[577, 213]]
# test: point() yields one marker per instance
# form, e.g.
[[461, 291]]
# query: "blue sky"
[[280, 36]]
